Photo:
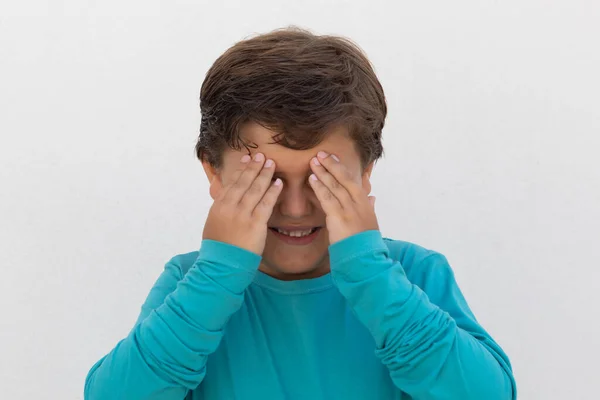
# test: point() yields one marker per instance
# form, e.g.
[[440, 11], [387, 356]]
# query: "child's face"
[[297, 204]]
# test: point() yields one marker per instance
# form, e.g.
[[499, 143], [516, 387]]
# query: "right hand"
[[241, 210]]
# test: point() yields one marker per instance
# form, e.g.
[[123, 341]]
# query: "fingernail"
[[322, 154], [245, 158], [277, 182], [259, 157], [316, 161], [335, 157], [269, 163], [313, 177]]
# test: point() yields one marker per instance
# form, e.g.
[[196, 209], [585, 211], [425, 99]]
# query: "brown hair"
[[297, 84]]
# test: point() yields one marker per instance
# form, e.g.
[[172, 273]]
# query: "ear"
[[366, 177], [214, 179]]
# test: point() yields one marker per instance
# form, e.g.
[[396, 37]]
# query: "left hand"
[[349, 209]]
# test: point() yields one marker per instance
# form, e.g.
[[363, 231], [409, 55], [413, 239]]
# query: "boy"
[[294, 293]]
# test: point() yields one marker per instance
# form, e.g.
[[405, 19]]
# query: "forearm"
[[165, 355], [431, 358], [428, 355]]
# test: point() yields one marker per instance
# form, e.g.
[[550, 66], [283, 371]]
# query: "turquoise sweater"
[[388, 322]]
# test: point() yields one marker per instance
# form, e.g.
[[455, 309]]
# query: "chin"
[[286, 262]]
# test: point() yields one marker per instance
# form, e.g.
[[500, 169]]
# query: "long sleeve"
[[426, 336], [164, 356]]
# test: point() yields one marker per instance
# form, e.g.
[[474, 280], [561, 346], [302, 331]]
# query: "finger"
[[333, 165], [330, 203], [258, 187], [239, 187], [264, 208], [329, 180], [243, 164]]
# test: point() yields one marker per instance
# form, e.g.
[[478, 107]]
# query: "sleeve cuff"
[[348, 256], [230, 255]]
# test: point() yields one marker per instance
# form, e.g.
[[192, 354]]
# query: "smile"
[[296, 237]]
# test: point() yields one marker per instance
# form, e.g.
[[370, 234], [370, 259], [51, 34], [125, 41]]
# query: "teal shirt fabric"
[[388, 322]]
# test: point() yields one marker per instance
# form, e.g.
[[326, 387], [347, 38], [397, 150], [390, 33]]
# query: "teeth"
[[295, 233]]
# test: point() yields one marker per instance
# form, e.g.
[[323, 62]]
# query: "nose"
[[296, 201]]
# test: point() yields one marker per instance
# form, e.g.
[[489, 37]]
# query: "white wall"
[[492, 146]]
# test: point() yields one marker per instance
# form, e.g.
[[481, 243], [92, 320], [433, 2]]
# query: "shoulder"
[[419, 263]]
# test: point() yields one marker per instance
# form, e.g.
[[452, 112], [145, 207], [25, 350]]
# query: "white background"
[[491, 143]]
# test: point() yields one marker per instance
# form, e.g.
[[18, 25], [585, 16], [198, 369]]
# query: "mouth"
[[301, 235]]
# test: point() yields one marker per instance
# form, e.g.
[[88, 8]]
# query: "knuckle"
[[254, 189], [221, 204], [254, 167], [237, 185], [264, 203], [327, 195]]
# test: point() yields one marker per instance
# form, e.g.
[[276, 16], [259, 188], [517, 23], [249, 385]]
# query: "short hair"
[[296, 84]]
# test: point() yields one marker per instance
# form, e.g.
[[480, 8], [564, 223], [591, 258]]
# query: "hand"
[[241, 209], [348, 208]]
